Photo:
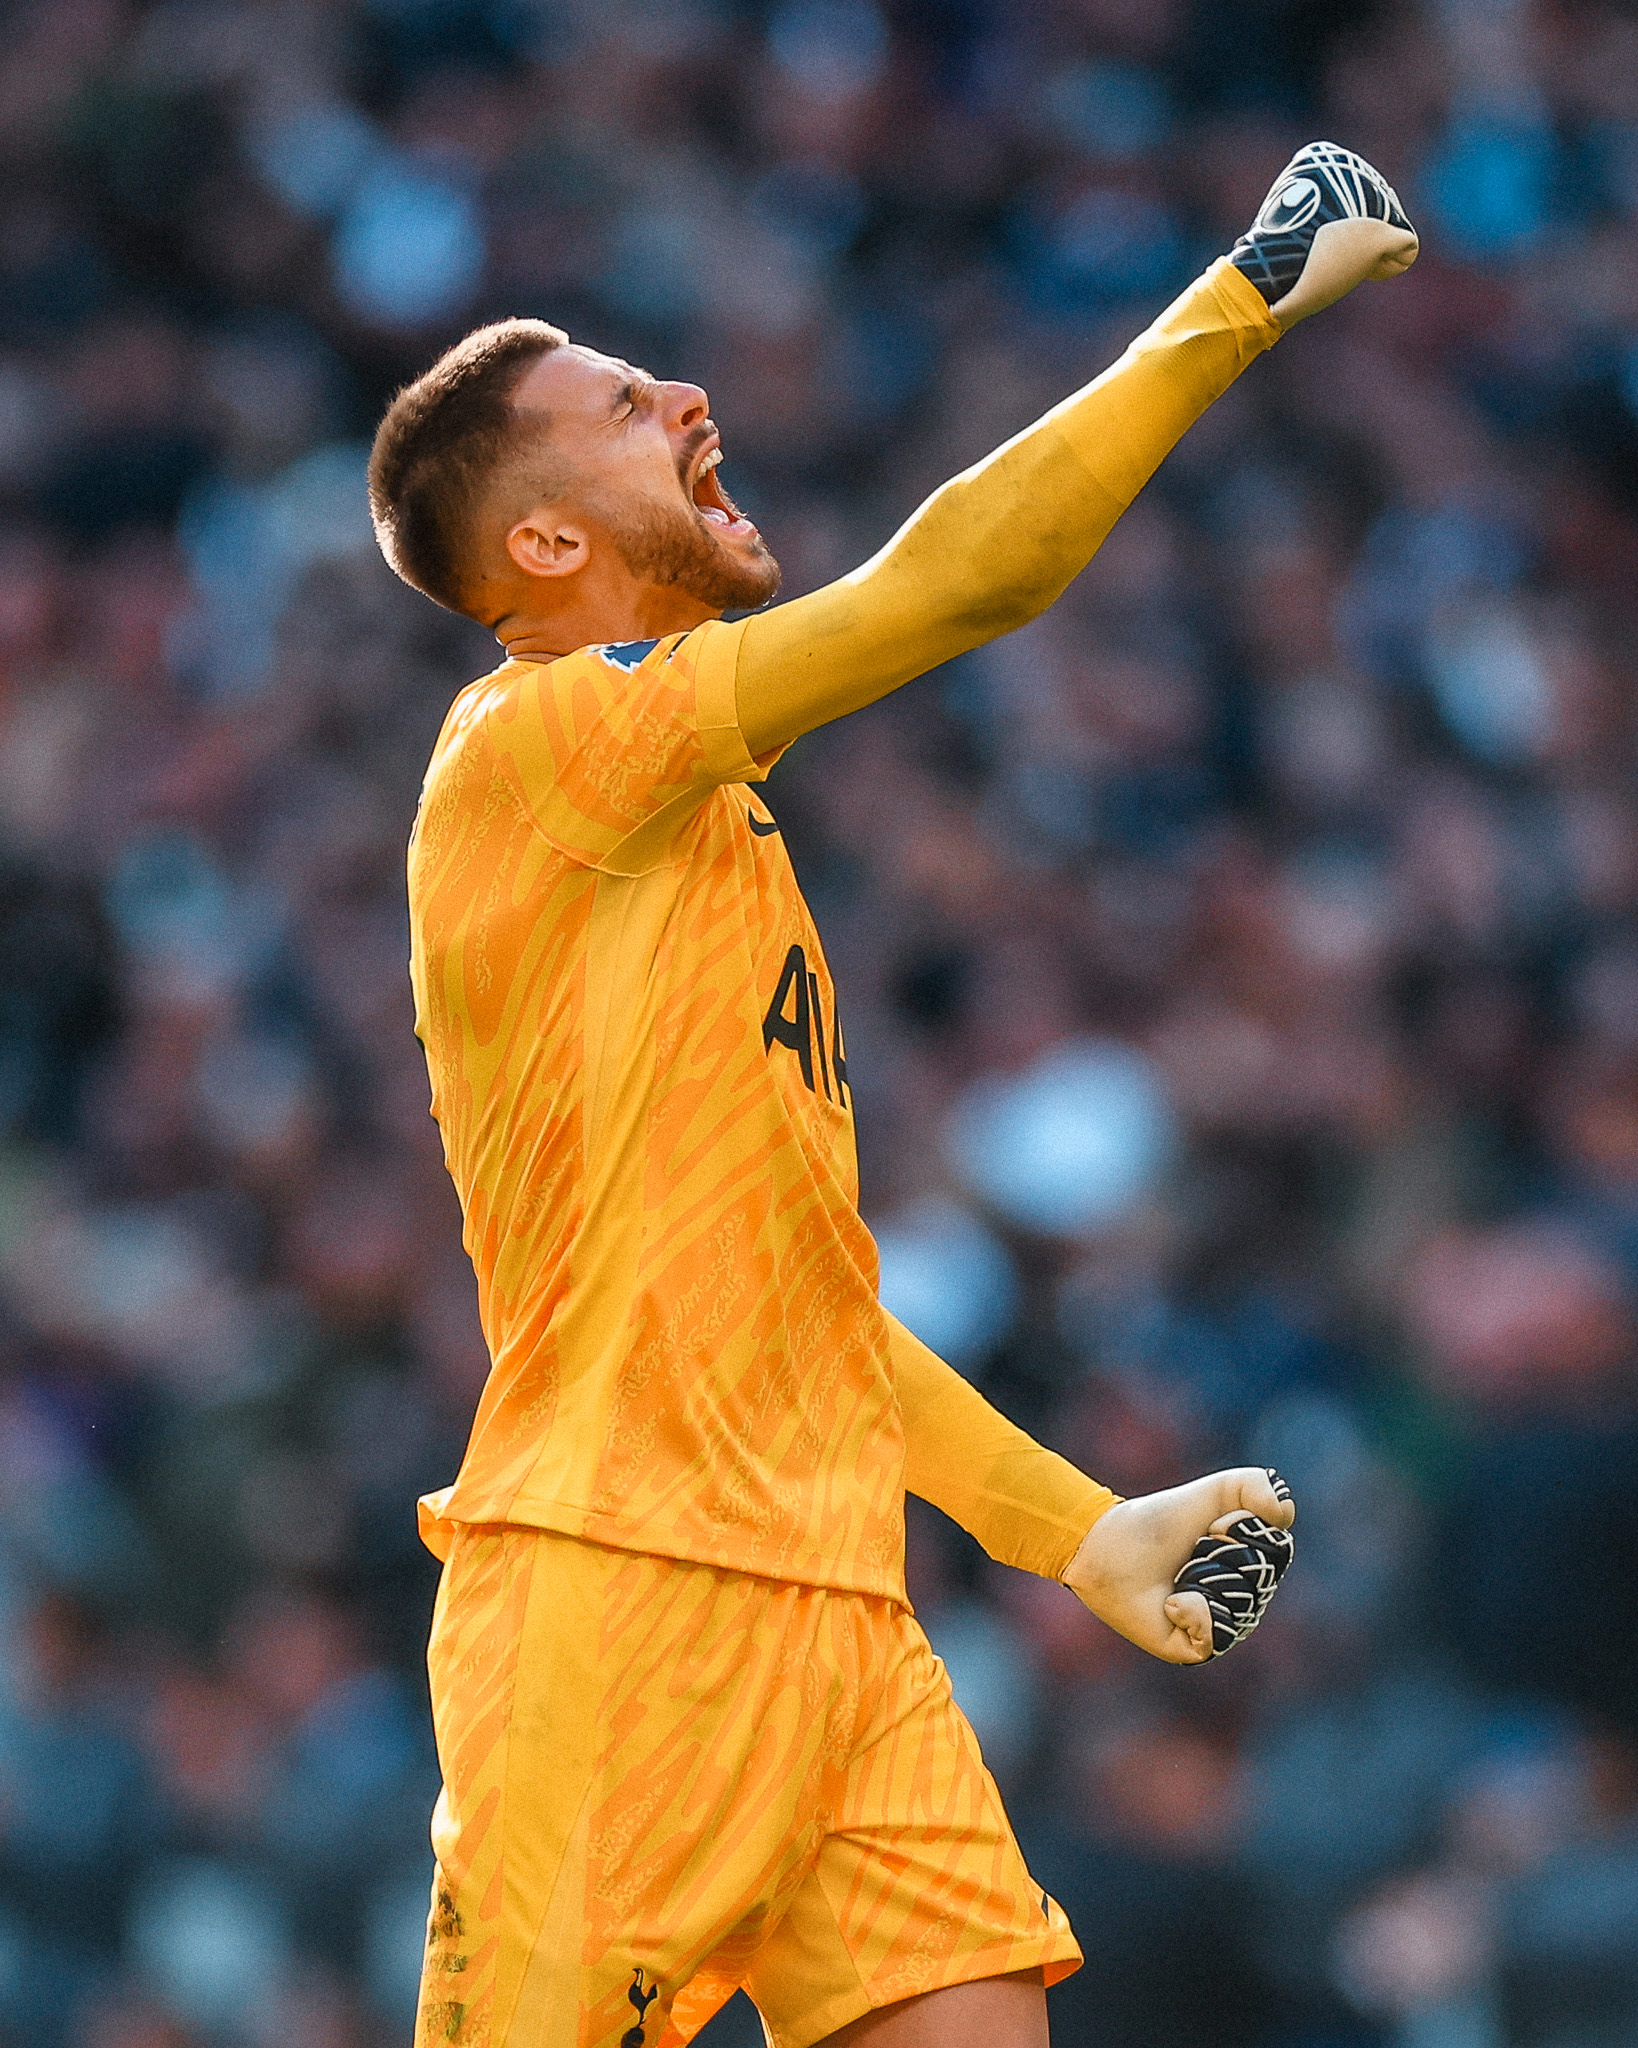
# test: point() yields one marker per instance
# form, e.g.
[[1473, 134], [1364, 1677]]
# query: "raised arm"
[[996, 545]]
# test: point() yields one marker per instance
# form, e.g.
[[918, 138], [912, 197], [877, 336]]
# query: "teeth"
[[711, 461]]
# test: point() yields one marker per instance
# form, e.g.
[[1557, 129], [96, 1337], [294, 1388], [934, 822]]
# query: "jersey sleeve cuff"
[[1245, 306]]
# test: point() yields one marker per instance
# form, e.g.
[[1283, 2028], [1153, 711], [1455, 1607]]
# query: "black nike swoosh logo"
[[762, 827]]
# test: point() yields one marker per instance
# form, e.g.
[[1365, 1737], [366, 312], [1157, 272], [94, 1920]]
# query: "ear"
[[544, 545]]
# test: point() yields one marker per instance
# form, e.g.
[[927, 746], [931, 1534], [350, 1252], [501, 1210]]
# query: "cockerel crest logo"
[[642, 2000]]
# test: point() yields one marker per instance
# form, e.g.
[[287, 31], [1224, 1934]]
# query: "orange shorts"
[[663, 1781]]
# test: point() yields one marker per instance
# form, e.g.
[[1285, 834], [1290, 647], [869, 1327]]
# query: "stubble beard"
[[676, 549]]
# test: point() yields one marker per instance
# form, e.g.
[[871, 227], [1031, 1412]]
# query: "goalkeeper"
[[691, 1736]]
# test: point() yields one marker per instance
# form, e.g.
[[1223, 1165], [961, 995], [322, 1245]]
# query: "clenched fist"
[[1127, 1569]]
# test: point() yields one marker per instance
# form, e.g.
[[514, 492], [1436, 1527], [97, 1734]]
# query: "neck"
[[643, 612]]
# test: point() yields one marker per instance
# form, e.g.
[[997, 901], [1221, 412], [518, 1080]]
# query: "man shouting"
[[692, 1737]]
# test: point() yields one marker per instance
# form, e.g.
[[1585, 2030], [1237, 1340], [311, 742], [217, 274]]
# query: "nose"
[[683, 406]]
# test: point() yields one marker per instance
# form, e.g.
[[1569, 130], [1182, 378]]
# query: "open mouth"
[[711, 501]]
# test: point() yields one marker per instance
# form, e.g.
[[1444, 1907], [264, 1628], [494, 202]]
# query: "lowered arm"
[[1027, 1506]]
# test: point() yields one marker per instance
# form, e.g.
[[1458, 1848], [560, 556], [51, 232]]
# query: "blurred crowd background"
[[1239, 966]]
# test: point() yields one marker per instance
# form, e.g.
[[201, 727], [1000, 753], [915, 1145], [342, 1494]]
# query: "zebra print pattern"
[[1239, 1573], [1323, 182]]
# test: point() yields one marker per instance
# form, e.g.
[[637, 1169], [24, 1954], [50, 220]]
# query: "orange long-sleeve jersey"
[[640, 1072]]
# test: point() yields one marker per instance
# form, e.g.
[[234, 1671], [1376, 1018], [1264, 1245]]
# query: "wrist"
[[1086, 1573]]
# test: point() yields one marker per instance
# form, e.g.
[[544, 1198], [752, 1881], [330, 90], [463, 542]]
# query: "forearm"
[[996, 545], [1026, 1505]]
